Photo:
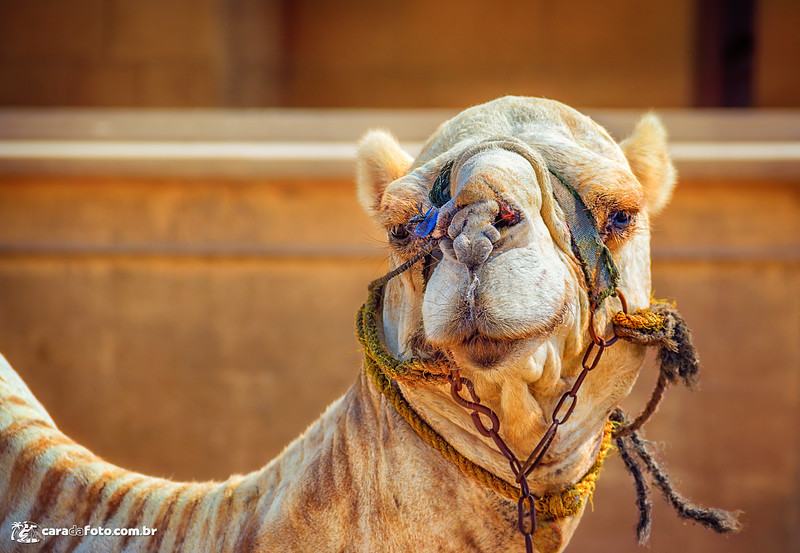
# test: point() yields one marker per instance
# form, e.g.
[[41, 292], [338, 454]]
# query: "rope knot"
[[661, 325], [643, 320]]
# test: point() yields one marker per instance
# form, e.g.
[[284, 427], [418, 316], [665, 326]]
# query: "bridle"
[[601, 278]]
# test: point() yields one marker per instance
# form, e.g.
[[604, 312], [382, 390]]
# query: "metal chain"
[[526, 506]]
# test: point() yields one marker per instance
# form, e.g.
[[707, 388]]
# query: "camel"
[[492, 288]]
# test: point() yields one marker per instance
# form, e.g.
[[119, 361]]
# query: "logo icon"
[[26, 532]]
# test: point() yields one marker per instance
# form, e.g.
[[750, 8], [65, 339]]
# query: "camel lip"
[[484, 352]]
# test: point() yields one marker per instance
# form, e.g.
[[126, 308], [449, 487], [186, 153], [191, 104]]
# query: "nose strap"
[[601, 273]]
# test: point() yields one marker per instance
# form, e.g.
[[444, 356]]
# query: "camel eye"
[[619, 221], [399, 235]]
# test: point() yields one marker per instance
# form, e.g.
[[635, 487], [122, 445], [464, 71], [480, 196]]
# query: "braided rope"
[[643, 320], [661, 326]]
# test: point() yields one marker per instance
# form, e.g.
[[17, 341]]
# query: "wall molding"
[[705, 143]]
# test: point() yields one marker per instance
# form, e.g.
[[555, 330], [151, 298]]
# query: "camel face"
[[507, 299], [503, 284]]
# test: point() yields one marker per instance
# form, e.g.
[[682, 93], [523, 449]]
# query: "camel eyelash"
[[619, 223], [399, 235]]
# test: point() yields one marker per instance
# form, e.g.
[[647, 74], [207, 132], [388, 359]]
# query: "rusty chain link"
[[526, 505]]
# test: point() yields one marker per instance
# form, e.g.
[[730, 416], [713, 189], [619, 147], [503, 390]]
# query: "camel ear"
[[379, 162], [648, 155]]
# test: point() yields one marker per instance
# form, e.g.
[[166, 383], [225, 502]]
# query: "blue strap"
[[440, 197], [427, 225]]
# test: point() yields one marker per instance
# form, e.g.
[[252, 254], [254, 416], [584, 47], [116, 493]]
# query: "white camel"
[[506, 304]]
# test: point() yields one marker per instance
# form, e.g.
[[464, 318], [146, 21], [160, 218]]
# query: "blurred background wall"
[[414, 53], [187, 314]]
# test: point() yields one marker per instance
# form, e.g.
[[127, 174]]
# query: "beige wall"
[[165, 325], [140, 53], [184, 328], [418, 53]]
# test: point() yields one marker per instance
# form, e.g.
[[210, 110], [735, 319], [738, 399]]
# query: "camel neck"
[[361, 479]]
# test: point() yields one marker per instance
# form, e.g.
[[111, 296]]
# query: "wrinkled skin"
[[508, 302]]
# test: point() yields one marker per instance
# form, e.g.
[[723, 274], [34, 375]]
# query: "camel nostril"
[[507, 216], [462, 245]]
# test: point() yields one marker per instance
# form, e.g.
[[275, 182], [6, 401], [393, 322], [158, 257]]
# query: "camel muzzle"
[[468, 212]]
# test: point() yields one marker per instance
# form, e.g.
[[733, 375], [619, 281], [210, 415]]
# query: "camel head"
[[505, 297]]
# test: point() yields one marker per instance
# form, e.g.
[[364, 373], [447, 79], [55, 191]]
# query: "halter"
[[657, 326]]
